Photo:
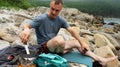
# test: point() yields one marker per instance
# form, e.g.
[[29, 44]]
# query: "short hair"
[[58, 1]]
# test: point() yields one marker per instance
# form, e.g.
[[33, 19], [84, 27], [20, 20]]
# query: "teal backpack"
[[50, 60]]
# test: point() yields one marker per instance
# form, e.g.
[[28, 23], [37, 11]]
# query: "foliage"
[[109, 8], [15, 3]]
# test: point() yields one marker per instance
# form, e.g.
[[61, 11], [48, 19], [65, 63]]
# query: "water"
[[115, 20]]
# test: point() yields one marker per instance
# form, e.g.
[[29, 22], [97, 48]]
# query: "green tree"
[[15, 3]]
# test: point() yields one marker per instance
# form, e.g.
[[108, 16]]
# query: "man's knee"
[[59, 40], [56, 44]]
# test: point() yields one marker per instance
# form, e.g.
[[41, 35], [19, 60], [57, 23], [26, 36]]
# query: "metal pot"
[[30, 56]]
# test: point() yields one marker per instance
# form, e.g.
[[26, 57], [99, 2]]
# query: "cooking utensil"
[[27, 49]]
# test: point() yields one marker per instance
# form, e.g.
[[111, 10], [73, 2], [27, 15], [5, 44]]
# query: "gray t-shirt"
[[47, 28]]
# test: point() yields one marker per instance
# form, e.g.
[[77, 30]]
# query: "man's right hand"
[[25, 35]]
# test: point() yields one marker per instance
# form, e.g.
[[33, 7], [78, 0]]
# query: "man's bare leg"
[[58, 41], [75, 44], [101, 60], [56, 44]]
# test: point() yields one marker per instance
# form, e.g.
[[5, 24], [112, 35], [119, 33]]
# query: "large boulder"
[[4, 44], [105, 51]]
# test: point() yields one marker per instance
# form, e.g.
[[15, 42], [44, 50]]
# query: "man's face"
[[54, 9]]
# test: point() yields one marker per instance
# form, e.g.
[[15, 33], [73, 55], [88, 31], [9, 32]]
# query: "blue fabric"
[[46, 27], [50, 60], [78, 58]]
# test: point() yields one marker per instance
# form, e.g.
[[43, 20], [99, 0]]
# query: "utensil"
[[27, 49]]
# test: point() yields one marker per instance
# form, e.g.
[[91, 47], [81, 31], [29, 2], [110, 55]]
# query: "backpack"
[[14, 54], [50, 60], [9, 55]]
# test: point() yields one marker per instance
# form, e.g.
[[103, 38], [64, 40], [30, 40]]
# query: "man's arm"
[[77, 36], [25, 34]]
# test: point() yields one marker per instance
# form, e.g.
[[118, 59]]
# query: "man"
[[48, 25]]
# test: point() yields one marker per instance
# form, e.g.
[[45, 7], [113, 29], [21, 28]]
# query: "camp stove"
[[28, 54]]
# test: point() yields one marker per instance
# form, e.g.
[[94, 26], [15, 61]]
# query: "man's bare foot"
[[104, 61]]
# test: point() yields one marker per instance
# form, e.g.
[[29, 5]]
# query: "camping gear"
[[28, 57], [26, 48], [16, 54], [50, 60], [27, 54], [9, 55], [77, 57]]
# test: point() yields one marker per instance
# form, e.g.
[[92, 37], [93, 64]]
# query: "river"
[[114, 20]]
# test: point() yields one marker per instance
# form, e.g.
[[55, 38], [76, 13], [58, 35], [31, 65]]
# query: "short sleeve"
[[64, 23], [35, 22]]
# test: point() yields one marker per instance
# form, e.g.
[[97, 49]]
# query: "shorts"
[[43, 49]]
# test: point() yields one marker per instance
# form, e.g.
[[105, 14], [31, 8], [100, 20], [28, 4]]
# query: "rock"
[[8, 38], [98, 20], [85, 40], [6, 18], [105, 51], [23, 23], [9, 32], [17, 42], [33, 39], [118, 54], [5, 36], [111, 23], [69, 12], [18, 20], [37, 10], [2, 33], [111, 39], [117, 27], [101, 40], [65, 34], [90, 41], [109, 30], [117, 36], [4, 44], [77, 65], [76, 29], [85, 32]]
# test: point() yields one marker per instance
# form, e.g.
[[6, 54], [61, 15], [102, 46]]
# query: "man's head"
[[55, 8]]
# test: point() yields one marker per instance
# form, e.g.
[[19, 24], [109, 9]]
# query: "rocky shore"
[[103, 40]]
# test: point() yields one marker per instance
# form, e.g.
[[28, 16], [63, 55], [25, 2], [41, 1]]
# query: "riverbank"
[[87, 26]]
